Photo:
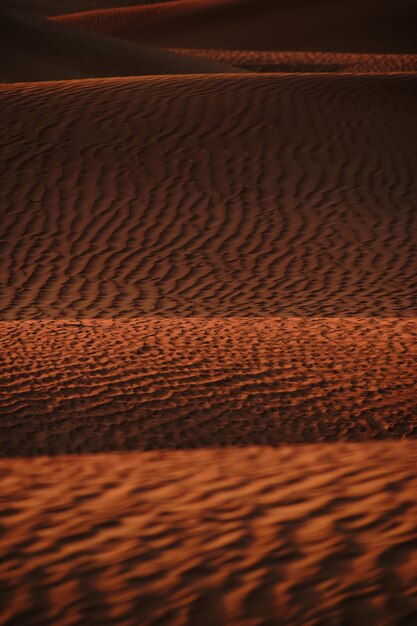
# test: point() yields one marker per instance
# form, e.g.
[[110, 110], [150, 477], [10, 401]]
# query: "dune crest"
[[326, 25], [35, 49]]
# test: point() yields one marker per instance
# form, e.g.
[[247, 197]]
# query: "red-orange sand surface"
[[210, 195], [318, 534], [208, 305], [93, 386]]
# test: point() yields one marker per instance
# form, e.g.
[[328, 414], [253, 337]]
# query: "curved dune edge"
[[41, 50], [293, 537], [45, 8], [375, 27], [249, 195], [93, 386]]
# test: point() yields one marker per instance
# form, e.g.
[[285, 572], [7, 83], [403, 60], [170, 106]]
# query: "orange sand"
[[307, 535], [94, 386], [210, 243]]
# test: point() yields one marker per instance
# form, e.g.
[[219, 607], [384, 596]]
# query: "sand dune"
[[317, 25], [35, 49], [94, 386], [245, 238], [297, 536], [252, 195], [62, 7]]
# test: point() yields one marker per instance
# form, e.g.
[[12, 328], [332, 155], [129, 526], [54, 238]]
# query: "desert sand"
[[272, 61], [275, 195], [318, 534], [35, 49], [376, 26], [208, 313], [47, 8], [80, 386]]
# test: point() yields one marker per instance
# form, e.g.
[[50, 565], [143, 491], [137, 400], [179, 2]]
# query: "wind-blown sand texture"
[[299, 535], [94, 386], [210, 196], [208, 254]]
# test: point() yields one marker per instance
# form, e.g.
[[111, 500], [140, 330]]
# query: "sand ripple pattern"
[[300, 536], [226, 195], [94, 386]]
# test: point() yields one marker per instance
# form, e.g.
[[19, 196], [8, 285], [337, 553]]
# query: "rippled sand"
[[208, 313]]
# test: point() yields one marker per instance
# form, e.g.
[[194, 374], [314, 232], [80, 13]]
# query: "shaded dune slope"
[[71, 387], [35, 49], [285, 537], [209, 196], [61, 7], [318, 25]]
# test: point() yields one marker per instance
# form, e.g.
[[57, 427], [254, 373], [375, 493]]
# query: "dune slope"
[[208, 259], [210, 196], [94, 386], [374, 26], [62, 7], [35, 49], [291, 537]]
